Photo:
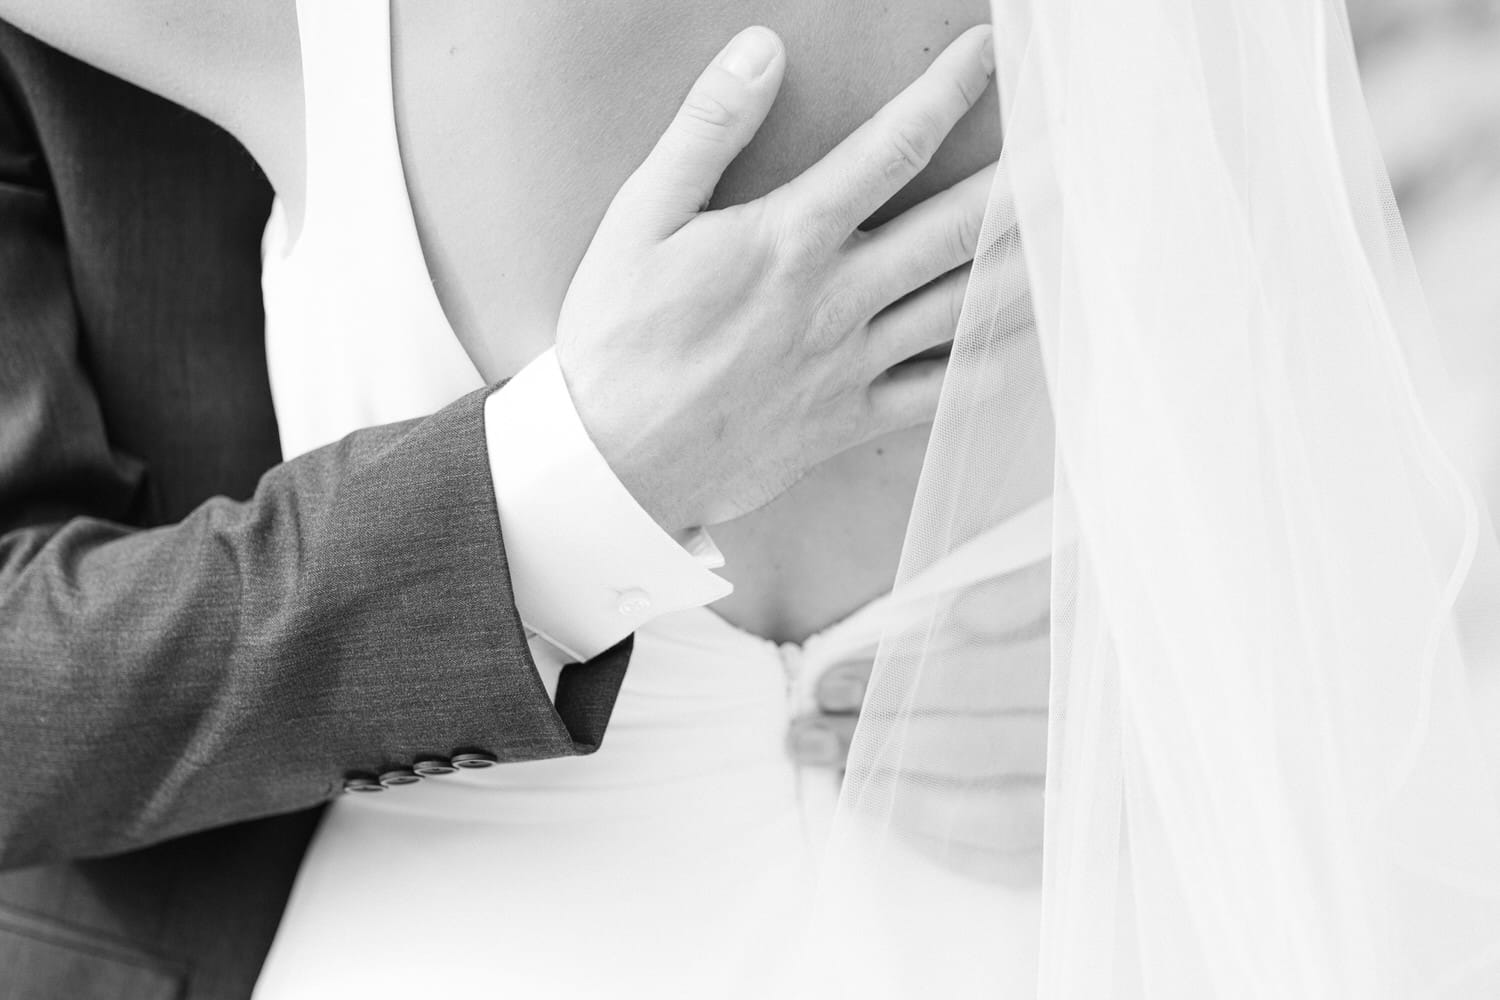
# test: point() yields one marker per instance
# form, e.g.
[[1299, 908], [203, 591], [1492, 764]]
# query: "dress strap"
[[353, 158], [355, 334]]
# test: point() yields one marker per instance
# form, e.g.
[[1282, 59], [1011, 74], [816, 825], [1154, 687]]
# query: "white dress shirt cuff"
[[587, 564]]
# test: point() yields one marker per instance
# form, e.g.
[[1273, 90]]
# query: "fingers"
[[821, 740], [968, 791], [905, 396], [717, 120], [924, 242], [929, 318], [978, 714], [918, 322], [882, 155], [841, 689]]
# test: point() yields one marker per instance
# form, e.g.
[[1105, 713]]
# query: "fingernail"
[[987, 56], [749, 53]]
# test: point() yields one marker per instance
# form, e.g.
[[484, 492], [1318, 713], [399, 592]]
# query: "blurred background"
[[1432, 79]]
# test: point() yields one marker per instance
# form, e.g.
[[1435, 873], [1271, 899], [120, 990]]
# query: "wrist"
[[577, 542], [637, 449]]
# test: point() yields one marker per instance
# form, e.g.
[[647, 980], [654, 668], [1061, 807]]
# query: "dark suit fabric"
[[198, 644]]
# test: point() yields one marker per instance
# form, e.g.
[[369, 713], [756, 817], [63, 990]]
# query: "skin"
[[518, 123]]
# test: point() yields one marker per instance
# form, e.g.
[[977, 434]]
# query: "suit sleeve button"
[[362, 783], [399, 776], [430, 767], [474, 760]]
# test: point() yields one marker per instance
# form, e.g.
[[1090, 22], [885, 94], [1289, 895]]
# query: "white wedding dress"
[[674, 861]]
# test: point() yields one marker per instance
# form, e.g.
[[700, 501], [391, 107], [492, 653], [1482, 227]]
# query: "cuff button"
[[362, 784], [399, 776], [634, 603], [473, 761], [431, 767]]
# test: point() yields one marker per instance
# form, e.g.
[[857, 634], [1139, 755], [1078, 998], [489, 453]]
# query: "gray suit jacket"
[[198, 645]]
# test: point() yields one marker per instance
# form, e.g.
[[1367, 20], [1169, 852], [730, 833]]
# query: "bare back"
[[509, 187]]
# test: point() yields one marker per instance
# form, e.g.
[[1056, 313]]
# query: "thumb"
[[717, 120]]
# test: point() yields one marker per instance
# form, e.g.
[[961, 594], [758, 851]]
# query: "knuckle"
[[967, 90], [839, 313], [913, 143], [802, 244], [760, 248], [704, 114], [964, 236]]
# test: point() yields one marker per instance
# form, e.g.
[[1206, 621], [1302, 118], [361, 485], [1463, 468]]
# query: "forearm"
[[353, 615]]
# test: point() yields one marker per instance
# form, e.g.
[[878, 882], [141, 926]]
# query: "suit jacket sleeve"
[[353, 615]]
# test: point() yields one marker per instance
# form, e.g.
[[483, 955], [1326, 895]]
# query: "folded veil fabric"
[[1274, 720]]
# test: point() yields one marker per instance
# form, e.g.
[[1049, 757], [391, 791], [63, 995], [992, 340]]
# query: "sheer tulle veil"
[[1274, 713]]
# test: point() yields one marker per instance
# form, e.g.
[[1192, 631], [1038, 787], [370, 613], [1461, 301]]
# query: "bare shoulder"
[[236, 62]]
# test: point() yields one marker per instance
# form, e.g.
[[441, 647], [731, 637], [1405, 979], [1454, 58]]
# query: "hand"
[[974, 752], [716, 356]]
